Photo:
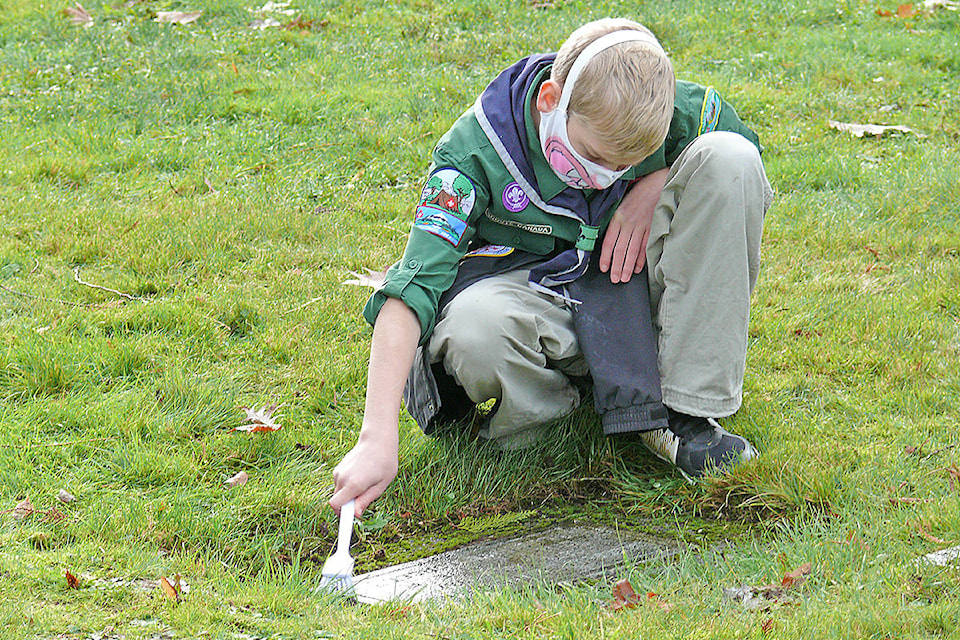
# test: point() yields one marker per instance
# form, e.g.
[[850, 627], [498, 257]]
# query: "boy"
[[503, 292]]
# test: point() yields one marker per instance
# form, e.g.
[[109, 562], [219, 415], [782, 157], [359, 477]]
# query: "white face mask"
[[572, 168]]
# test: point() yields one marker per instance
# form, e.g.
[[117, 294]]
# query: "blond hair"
[[625, 94]]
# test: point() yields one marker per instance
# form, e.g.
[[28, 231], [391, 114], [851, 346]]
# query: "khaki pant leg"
[[502, 340], [704, 257]]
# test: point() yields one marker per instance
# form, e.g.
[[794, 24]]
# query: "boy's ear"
[[549, 96]]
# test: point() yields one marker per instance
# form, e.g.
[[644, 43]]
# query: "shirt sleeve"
[[696, 110], [444, 223]]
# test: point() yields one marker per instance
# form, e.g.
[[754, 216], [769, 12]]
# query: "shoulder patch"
[[710, 111], [446, 203]]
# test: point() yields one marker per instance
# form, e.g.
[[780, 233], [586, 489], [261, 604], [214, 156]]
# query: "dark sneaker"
[[697, 445]]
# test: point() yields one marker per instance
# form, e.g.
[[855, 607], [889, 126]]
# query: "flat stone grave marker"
[[564, 553]]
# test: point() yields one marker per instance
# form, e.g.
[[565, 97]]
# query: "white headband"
[[602, 44]]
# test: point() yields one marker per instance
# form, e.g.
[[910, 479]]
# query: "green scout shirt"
[[431, 259]]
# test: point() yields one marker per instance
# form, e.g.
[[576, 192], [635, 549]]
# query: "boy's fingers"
[[606, 248], [642, 254], [626, 256]]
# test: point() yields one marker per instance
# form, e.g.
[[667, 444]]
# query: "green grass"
[[228, 179]]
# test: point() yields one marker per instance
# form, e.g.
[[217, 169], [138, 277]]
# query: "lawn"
[[180, 205]]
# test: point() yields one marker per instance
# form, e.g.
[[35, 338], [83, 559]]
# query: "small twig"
[[222, 325], [305, 304], [938, 451], [36, 266], [76, 276], [33, 297]]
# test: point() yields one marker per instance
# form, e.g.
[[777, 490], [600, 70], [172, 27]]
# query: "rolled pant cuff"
[[644, 417], [699, 406]]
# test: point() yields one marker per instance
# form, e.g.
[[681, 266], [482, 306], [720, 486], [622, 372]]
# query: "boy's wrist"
[[379, 435]]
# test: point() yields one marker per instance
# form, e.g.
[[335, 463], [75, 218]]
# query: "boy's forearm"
[[395, 337], [368, 468]]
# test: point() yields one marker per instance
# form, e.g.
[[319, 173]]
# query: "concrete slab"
[[565, 553]]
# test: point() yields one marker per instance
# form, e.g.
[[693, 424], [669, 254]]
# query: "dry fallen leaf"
[[72, 582], [877, 130], [178, 17], [79, 16], [796, 577], [23, 510], [299, 24], [172, 592], [260, 419], [65, 497], [906, 11], [372, 279], [624, 597], [238, 480]]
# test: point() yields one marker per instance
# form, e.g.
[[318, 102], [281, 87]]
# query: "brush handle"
[[346, 527]]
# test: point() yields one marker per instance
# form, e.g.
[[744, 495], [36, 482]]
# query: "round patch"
[[514, 199]]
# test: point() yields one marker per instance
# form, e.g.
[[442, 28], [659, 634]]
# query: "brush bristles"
[[336, 583]]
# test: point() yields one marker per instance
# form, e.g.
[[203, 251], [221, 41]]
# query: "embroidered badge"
[[710, 112], [514, 199], [445, 205], [490, 251]]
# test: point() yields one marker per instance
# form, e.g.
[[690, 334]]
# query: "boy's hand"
[[364, 474], [624, 249]]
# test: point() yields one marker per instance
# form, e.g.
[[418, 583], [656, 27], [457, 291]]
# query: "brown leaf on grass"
[[873, 130], [23, 510], [65, 497], [79, 16], [260, 419], [372, 279], [624, 597], [171, 589], [238, 480], [796, 577], [178, 17], [299, 24], [72, 582], [903, 11], [906, 11]]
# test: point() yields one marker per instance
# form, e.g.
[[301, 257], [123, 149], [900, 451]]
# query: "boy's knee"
[[727, 151]]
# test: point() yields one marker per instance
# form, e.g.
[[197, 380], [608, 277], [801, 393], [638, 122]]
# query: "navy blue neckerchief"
[[502, 116]]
